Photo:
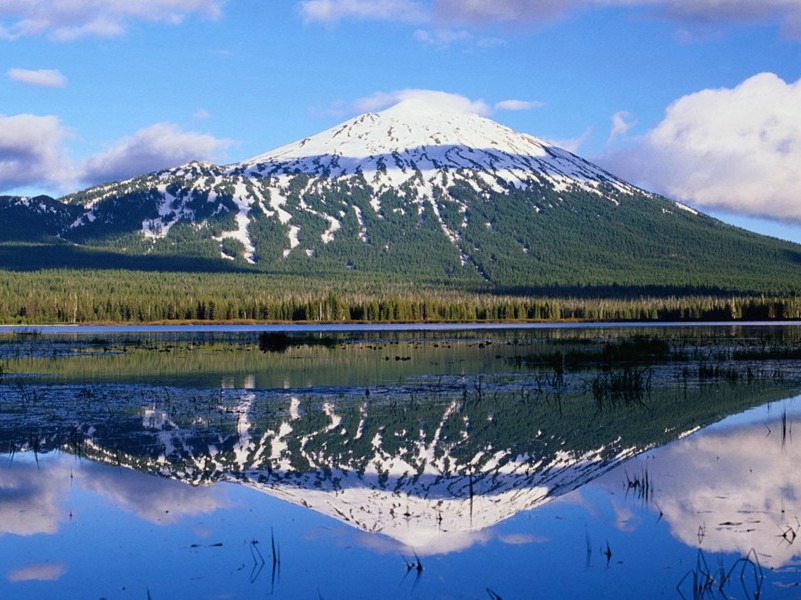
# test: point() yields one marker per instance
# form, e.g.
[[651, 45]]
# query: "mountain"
[[431, 472], [32, 219], [414, 193]]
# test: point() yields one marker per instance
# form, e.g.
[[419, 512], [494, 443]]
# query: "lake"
[[395, 462]]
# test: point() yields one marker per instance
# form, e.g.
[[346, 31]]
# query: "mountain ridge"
[[417, 193]]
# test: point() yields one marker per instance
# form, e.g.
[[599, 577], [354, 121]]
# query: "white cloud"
[[71, 19], [156, 147], [40, 572], [442, 38], [735, 149], [725, 476], [201, 114], [375, 102], [481, 11], [710, 12], [422, 99], [573, 144], [32, 151], [40, 77], [520, 539], [441, 100], [331, 11], [40, 499], [516, 105], [622, 122], [703, 13], [690, 12], [159, 501]]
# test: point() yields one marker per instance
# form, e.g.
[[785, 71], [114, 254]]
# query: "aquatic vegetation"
[[279, 341], [704, 582]]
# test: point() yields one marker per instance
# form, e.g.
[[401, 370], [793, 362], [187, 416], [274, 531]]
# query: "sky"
[[699, 100]]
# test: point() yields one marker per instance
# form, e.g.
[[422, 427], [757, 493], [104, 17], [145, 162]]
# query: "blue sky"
[[110, 88]]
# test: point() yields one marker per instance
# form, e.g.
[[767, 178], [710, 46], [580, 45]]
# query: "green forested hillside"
[[452, 233], [521, 241]]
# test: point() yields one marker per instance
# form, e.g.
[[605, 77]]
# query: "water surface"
[[514, 462]]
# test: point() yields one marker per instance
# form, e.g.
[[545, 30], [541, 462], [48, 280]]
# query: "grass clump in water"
[[279, 341]]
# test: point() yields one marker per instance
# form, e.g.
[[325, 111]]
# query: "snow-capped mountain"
[[412, 152], [428, 148], [415, 189]]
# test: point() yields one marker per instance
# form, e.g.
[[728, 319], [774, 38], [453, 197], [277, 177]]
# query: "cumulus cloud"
[[520, 539], [689, 12], [442, 38], [428, 98], [480, 11], [710, 12], [516, 105], [32, 151], [735, 149], [156, 147], [24, 491], [424, 101], [703, 13], [39, 77], [573, 144], [414, 98], [41, 572], [622, 122], [711, 492], [331, 11], [156, 500], [71, 19]]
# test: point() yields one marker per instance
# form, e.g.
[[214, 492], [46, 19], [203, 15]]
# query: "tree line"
[[69, 296]]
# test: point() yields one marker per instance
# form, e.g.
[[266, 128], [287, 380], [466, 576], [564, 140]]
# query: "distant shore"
[[34, 330]]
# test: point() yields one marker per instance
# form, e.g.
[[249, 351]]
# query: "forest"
[[62, 296]]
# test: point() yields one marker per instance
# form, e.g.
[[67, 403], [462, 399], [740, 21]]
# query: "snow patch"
[[242, 219], [362, 229], [686, 208], [294, 242]]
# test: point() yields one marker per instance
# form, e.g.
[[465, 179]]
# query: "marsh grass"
[[703, 582], [638, 350], [628, 384], [641, 486], [786, 430], [767, 353], [281, 342], [27, 333]]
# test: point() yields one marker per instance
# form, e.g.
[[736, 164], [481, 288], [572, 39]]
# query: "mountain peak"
[[411, 124], [428, 142]]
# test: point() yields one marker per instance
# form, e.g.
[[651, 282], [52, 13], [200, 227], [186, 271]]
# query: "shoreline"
[[356, 326]]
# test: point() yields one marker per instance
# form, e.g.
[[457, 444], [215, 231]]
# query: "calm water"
[[624, 462]]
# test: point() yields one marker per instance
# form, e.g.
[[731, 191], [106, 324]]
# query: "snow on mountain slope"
[[413, 141], [424, 167]]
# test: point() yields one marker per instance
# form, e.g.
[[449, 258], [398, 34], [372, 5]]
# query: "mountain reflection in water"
[[443, 469]]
